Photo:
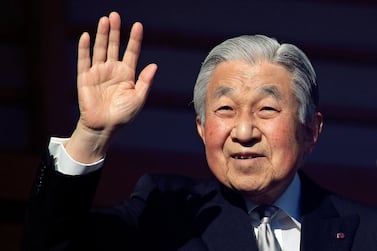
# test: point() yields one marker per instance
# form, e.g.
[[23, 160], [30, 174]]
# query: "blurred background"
[[38, 94]]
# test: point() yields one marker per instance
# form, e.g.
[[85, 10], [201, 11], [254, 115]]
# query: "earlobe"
[[200, 128]]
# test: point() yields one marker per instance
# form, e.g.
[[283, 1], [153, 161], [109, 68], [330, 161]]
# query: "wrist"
[[87, 145]]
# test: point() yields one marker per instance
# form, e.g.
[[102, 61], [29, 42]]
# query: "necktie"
[[266, 238]]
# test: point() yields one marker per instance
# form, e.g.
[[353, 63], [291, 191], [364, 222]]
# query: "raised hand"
[[109, 95]]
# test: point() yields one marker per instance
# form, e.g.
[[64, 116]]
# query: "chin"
[[245, 186]]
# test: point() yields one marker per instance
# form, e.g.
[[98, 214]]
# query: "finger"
[[83, 59], [145, 80], [114, 37], [131, 55], [100, 44]]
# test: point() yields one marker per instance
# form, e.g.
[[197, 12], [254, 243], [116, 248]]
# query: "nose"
[[244, 130]]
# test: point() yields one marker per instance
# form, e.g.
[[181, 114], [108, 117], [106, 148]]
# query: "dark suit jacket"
[[171, 212]]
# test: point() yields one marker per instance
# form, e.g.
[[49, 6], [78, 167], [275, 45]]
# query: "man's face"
[[253, 139]]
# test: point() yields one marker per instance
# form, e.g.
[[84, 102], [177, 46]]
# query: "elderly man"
[[256, 102]]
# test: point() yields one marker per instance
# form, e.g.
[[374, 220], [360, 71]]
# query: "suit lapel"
[[225, 224], [322, 226], [328, 234]]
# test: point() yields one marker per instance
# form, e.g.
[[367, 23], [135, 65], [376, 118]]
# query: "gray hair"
[[252, 49]]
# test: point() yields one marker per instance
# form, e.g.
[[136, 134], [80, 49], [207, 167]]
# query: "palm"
[[108, 93]]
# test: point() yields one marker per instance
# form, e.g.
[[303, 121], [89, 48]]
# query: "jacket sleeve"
[[60, 216], [58, 207]]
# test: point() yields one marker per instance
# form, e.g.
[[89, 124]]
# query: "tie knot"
[[266, 211]]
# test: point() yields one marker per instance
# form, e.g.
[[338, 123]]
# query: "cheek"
[[286, 144], [216, 133]]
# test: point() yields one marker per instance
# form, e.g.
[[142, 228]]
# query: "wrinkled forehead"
[[263, 79], [270, 90]]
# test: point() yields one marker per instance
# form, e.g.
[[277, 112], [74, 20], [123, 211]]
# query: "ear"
[[200, 128], [313, 130]]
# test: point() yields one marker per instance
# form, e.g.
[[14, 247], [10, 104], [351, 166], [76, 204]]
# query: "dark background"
[[38, 94]]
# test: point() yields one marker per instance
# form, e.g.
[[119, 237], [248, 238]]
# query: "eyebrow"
[[222, 91], [270, 90]]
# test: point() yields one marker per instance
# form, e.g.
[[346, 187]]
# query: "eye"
[[224, 111], [224, 108], [267, 112], [268, 108]]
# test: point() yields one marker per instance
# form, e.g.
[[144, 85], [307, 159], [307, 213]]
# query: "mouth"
[[241, 156]]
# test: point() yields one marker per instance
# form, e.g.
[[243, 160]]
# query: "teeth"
[[243, 157]]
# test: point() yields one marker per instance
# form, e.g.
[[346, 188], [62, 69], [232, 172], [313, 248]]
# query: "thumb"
[[145, 80]]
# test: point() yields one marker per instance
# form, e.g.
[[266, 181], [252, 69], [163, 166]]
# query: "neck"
[[270, 195]]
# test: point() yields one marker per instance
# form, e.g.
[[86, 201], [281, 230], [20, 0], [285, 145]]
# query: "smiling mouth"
[[245, 156]]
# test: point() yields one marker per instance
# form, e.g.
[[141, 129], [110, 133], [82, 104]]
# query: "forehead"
[[263, 77]]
